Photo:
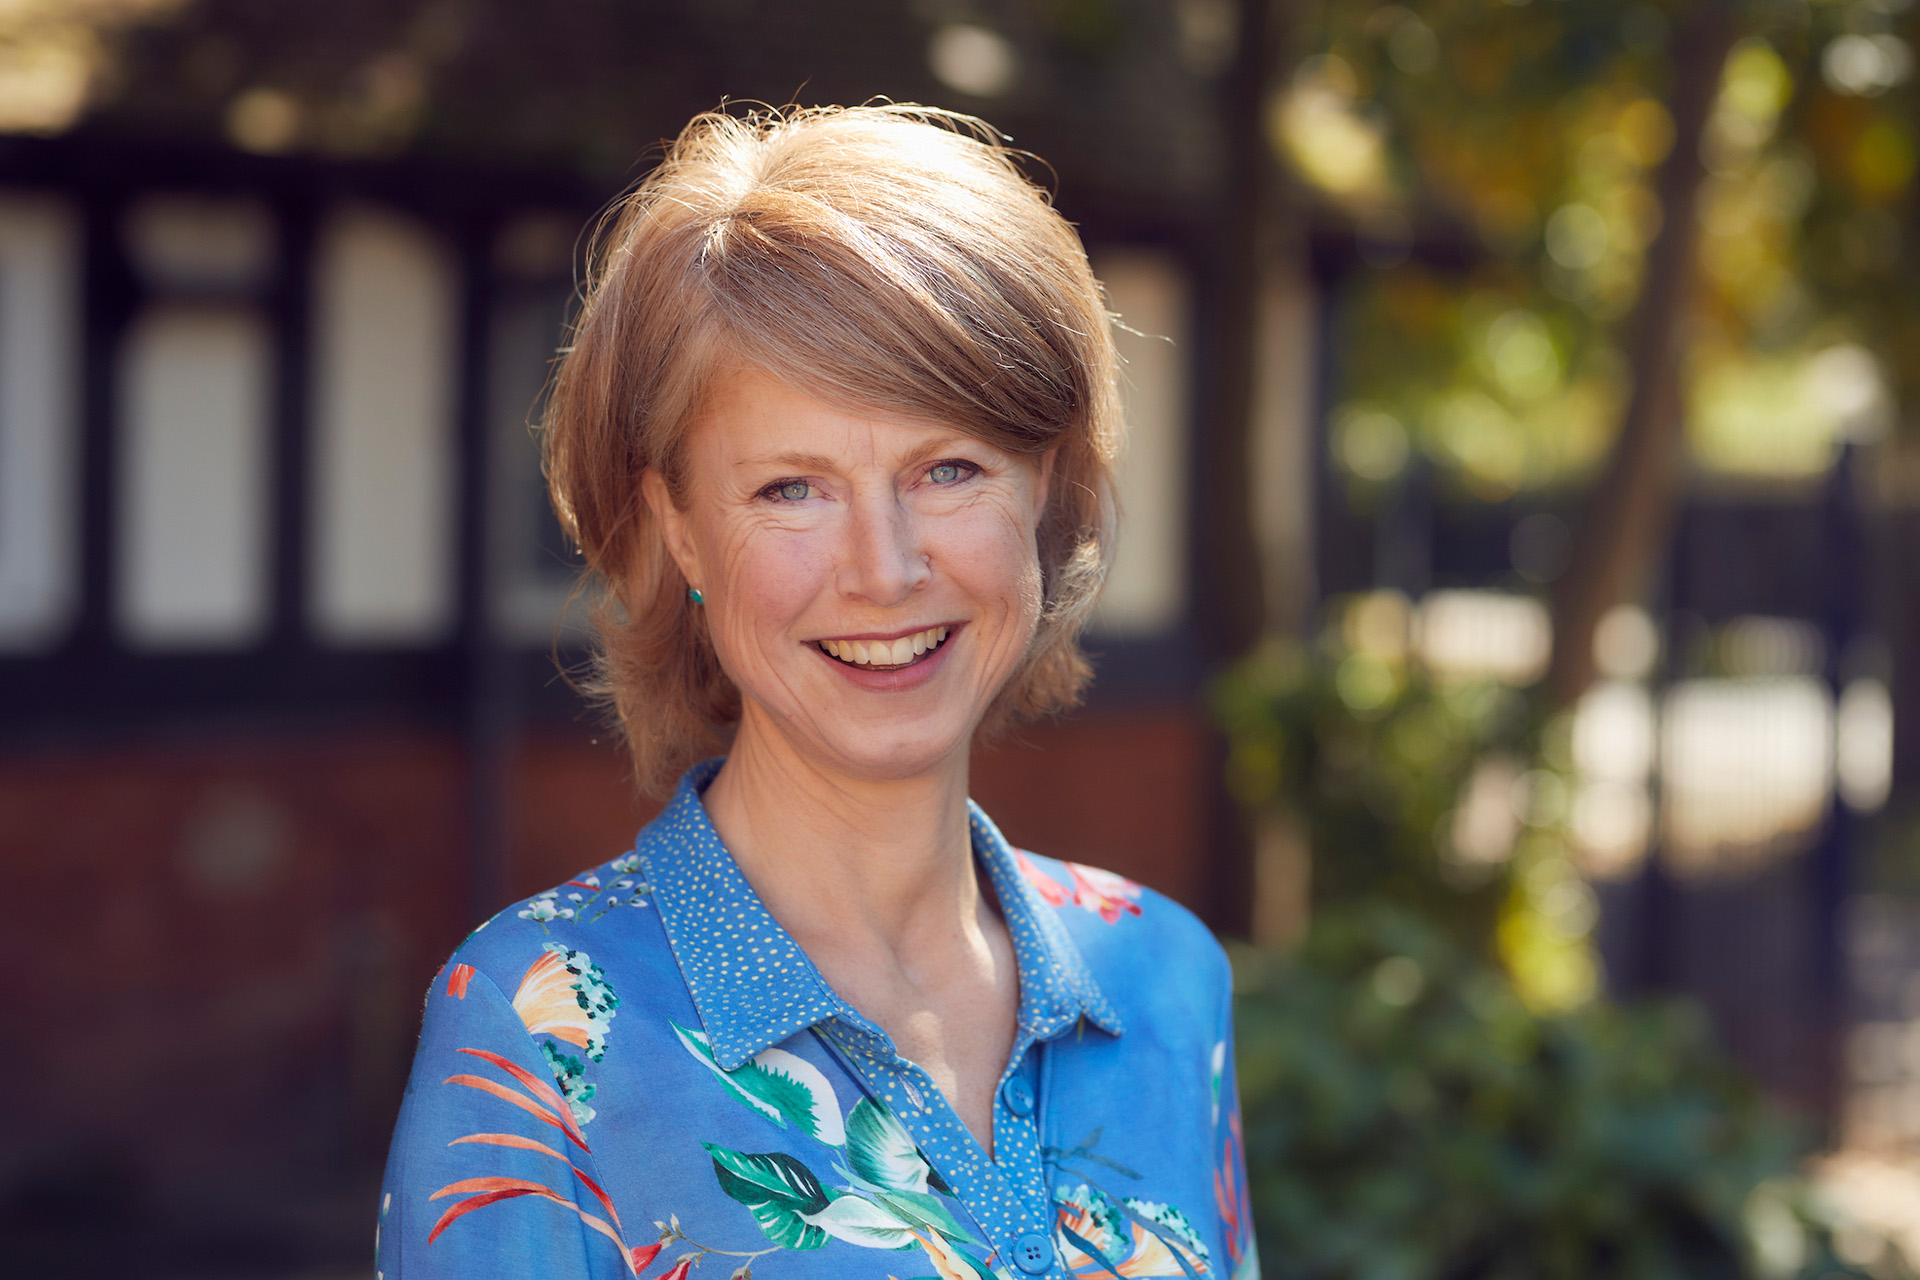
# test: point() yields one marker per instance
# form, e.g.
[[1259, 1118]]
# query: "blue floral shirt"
[[640, 1073]]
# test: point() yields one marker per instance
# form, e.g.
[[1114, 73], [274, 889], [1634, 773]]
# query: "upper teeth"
[[885, 653]]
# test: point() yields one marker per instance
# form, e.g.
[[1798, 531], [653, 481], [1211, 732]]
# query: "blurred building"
[[284, 617]]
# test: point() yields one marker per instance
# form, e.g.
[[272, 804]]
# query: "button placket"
[[981, 1187], [1033, 1254]]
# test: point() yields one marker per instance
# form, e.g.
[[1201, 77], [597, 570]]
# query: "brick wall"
[[217, 945]]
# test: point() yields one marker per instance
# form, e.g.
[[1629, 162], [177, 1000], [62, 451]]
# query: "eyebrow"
[[793, 461], [803, 462]]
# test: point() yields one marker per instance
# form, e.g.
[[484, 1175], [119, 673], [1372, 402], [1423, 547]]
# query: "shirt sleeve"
[[1230, 1155], [489, 1174]]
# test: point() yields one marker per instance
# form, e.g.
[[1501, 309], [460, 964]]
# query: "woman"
[[836, 429]]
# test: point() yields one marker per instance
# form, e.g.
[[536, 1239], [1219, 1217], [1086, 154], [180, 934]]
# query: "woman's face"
[[870, 582]]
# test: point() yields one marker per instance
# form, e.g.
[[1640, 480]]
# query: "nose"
[[883, 561]]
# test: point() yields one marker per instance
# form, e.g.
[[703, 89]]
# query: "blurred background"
[[1514, 643]]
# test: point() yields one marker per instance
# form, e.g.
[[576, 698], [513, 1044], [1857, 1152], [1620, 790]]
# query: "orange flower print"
[[564, 995], [1136, 1238]]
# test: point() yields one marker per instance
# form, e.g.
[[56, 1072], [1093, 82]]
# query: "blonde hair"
[[893, 257]]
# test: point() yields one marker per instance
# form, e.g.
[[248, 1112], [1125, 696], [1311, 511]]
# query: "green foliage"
[[1408, 1118], [1371, 754], [1443, 794], [1431, 1090], [1521, 146]]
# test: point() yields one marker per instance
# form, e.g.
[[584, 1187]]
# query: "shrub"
[[1409, 1118]]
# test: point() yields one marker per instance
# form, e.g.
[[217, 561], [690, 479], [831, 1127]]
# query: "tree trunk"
[[1232, 597], [1230, 585], [1630, 511]]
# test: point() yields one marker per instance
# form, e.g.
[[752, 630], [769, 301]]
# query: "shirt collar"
[[753, 986], [1056, 987]]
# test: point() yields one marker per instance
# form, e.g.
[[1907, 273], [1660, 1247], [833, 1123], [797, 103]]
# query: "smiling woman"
[[892, 260], [836, 430], [815, 584]]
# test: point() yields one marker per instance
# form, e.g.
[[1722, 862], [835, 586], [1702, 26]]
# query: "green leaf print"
[[786, 1089], [567, 1073], [860, 1221], [781, 1192], [881, 1152], [923, 1210], [797, 1090]]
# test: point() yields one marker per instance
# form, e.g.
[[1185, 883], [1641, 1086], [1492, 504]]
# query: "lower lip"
[[899, 680]]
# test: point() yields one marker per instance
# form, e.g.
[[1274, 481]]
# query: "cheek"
[[992, 555], [767, 579]]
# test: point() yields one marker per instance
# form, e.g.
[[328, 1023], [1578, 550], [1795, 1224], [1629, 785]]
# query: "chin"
[[913, 751]]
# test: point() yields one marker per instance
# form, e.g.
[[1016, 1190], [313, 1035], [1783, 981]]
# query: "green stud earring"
[[693, 594]]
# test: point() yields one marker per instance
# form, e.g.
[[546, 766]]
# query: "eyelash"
[[775, 492], [967, 470]]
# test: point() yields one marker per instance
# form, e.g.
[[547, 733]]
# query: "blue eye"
[[795, 490], [946, 472]]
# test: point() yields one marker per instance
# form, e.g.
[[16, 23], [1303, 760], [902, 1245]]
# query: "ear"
[[673, 524], [1044, 486]]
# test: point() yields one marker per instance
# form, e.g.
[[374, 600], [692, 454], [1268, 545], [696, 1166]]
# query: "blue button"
[[1033, 1254], [1017, 1096]]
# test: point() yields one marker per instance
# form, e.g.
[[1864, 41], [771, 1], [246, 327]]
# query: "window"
[[194, 463], [1146, 589], [383, 461], [530, 570], [39, 426]]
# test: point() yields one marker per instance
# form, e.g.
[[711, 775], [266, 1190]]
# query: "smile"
[[886, 655]]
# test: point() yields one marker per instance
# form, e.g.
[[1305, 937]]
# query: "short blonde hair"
[[893, 257]]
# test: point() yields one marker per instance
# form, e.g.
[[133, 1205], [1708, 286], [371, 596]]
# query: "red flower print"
[[458, 979], [1105, 894], [1055, 893], [1230, 1191]]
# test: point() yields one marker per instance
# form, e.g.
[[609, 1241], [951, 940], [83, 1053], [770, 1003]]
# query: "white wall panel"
[[194, 472], [384, 461], [39, 420], [1282, 449], [530, 590], [1146, 591]]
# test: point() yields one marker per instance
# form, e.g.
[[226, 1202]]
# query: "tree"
[[1641, 235]]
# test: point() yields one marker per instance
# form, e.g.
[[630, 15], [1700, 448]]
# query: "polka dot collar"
[[752, 984]]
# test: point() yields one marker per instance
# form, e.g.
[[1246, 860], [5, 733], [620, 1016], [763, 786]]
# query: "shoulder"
[[598, 922], [1129, 934]]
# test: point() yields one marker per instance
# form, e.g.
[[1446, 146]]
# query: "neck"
[[883, 863]]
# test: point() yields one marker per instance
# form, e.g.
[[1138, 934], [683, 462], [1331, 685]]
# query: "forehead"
[[751, 416]]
